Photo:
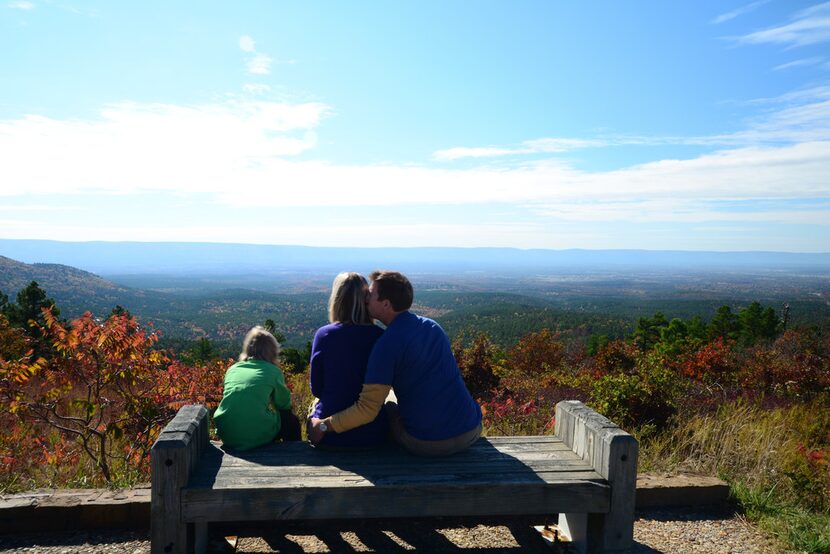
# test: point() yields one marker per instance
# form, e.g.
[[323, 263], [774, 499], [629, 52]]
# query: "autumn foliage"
[[84, 400], [102, 394]]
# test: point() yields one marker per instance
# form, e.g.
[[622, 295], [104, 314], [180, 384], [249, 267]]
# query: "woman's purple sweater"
[[339, 355]]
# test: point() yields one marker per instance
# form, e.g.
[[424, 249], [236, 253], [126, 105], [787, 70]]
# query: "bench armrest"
[[613, 454], [174, 455]]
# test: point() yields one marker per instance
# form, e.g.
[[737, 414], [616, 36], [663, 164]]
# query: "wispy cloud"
[[738, 12], [21, 5], [536, 146], [808, 26], [207, 154], [247, 44], [798, 63], [258, 63], [214, 149], [803, 116], [313, 233], [799, 116], [256, 88], [36, 208], [685, 211]]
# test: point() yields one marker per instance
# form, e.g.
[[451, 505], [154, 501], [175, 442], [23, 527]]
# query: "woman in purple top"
[[339, 355]]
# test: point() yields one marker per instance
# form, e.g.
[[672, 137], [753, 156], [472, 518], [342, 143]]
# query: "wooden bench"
[[586, 473]]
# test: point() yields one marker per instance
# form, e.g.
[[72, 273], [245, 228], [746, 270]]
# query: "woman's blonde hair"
[[259, 344], [347, 303]]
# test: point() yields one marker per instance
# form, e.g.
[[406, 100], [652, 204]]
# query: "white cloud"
[[21, 5], [739, 11], [260, 64], [808, 26], [798, 63], [679, 211], [133, 147], [213, 150], [316, 233], [246, 44], [256, 88], [242, 153], [35, 208], [474, 152], [804, 117], [537, 146]]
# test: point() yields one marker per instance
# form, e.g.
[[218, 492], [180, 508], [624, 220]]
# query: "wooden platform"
[[540, 475]]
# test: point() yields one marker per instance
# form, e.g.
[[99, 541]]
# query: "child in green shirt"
[[256, 405]]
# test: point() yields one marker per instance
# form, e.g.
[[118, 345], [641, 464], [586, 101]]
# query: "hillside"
[[15, 275], [218, 314], [74, 290]]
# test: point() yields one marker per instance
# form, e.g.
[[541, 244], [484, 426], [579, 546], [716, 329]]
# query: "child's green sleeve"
[[281, 396]]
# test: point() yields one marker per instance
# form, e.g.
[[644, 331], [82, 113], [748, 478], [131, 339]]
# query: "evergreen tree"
[[757, 323], [597, 343], [203, 352], [647, 332], [297, 359], [270, 326], [673, 337], [697, 329], [725, 324], [30, 301]]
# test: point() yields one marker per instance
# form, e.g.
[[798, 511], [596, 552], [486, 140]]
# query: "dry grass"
[[776, 460]]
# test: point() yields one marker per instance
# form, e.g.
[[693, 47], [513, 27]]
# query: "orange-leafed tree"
[[104, 386], [477, 364], [95, 387], [535, 366], [713, 363]]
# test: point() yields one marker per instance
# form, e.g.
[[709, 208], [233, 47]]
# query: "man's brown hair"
[[395, 287]]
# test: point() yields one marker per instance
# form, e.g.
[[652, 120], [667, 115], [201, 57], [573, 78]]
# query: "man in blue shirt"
[[431, 412]]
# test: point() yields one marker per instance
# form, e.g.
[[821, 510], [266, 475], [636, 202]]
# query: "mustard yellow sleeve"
[[366, 409]]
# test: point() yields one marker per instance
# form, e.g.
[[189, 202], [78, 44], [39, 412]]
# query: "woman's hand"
[[315, 434]]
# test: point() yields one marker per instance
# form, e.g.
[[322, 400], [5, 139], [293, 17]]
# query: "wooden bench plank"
[[300, 453], [293, 473], [494, 478], [371, 501], [300, 461], [275, 482], [208, 470], [481, 447]]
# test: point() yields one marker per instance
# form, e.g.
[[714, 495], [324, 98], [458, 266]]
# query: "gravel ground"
[[655, 531]]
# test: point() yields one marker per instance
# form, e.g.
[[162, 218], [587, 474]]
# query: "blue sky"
[[697, 125]]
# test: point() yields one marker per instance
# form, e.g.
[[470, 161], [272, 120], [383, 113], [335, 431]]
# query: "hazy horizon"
[[112, 258], [407, 247]]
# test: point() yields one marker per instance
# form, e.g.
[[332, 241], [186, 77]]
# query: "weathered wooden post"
[[613, 454], [174, 456]]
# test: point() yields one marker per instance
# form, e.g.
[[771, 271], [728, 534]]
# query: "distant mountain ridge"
[[112, 258]]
